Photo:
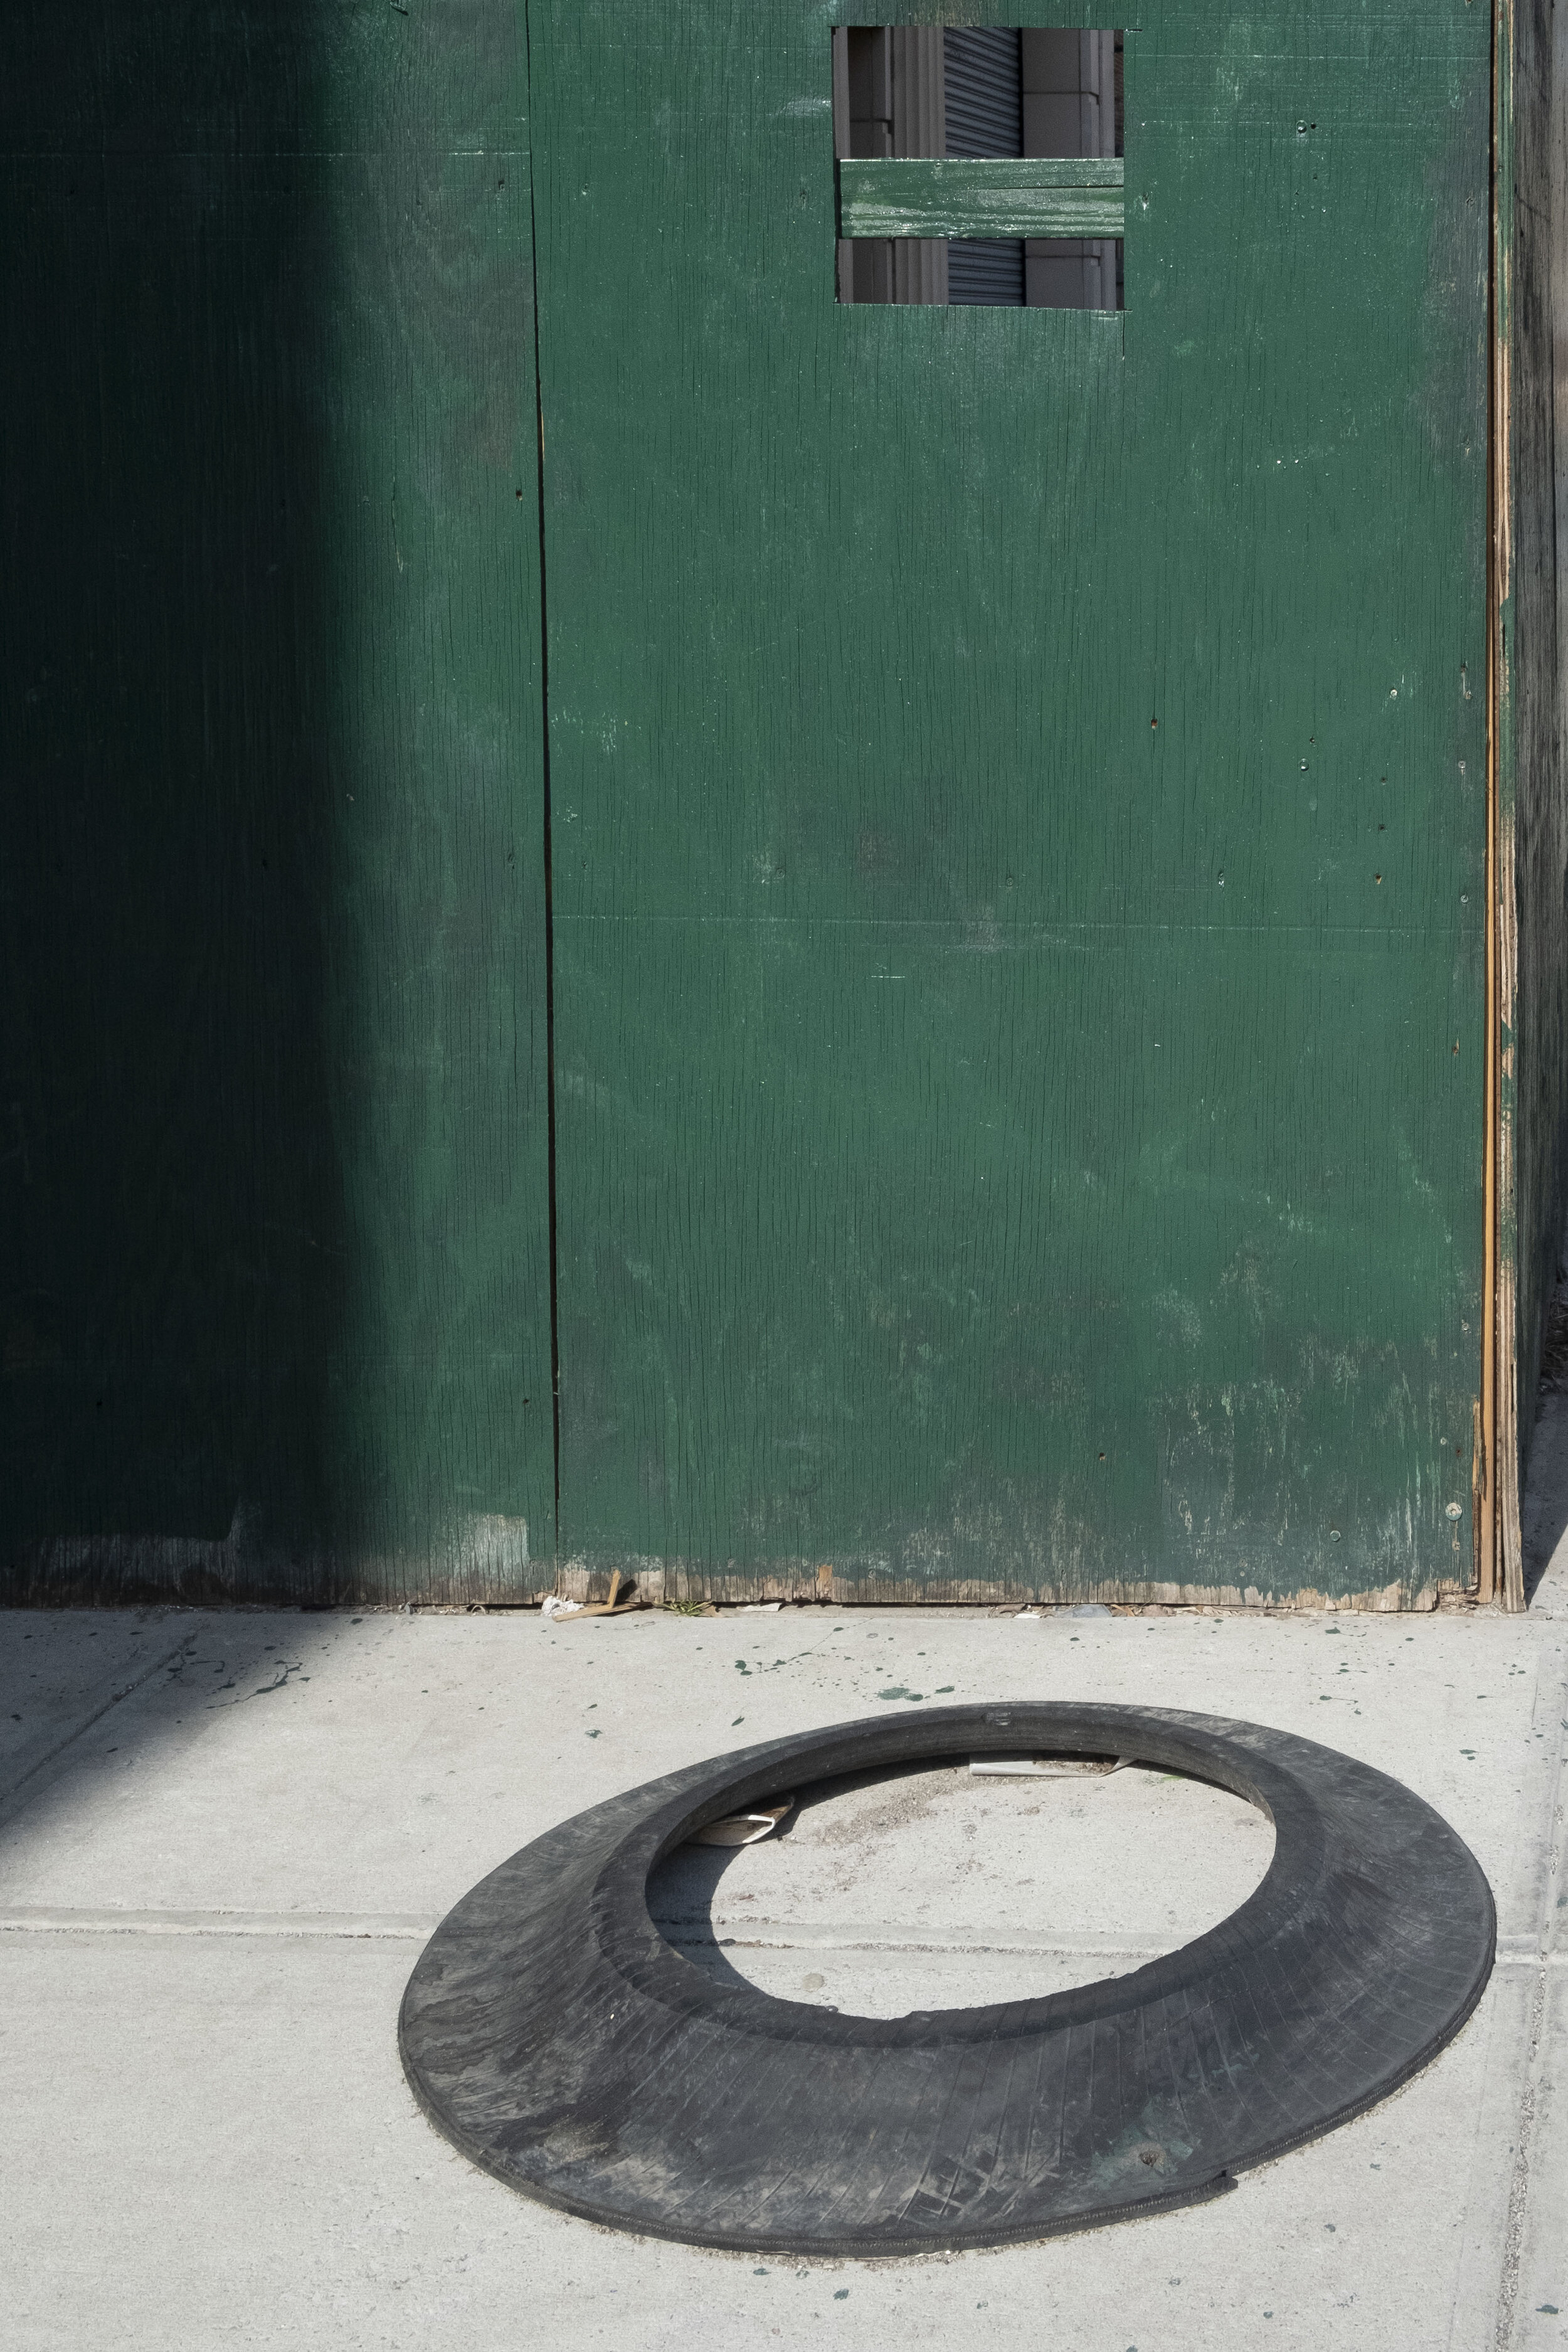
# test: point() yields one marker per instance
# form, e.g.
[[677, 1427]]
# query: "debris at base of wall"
[[744, 1829], [557, 1605]]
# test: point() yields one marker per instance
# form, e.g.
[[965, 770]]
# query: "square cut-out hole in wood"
[[979, 165]]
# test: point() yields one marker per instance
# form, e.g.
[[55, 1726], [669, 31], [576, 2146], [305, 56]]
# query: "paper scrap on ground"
[[744, 1829], [557, 1606]]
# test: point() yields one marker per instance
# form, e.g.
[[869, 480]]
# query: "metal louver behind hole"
[[984, 77]]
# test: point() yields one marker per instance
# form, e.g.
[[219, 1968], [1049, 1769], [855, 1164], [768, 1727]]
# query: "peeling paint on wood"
[[968, 198]]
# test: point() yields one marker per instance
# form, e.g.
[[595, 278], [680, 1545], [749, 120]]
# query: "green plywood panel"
[[1018, 786], [276, 1273]]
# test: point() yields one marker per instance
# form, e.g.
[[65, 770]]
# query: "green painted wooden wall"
[[276, 1271], [1007, 791], [1019, 817]]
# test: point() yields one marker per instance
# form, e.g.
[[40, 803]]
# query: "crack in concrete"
[[64, 1920]]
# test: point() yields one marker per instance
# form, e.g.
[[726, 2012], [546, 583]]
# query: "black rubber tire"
[[560, 2041]]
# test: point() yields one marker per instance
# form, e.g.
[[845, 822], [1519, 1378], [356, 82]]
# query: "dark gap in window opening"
[[984, 91]]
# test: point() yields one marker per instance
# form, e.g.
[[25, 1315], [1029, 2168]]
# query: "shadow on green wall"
[[172, 1223], [276, 1307]]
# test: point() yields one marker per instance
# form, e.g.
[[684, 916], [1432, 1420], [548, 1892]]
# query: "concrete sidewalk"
[[223, 1839]]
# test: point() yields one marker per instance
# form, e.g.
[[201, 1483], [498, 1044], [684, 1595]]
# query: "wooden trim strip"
[[1485, 1467], [1501, 1580], [971, 196]]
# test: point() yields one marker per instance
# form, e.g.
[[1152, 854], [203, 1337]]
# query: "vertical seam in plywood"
[[549, 875]]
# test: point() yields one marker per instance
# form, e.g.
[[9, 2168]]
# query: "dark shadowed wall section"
[[275, 1312]]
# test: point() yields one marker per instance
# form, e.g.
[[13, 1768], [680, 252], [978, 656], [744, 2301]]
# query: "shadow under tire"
[[554, 2036]]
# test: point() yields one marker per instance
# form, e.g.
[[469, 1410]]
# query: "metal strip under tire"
[[553, 2035]]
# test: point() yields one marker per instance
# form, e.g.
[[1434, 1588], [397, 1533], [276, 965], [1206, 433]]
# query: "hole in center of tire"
[[936, 1888]]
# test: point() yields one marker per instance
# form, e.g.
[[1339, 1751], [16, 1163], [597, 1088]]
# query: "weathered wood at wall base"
[[493, 1569], [879, 1584]]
